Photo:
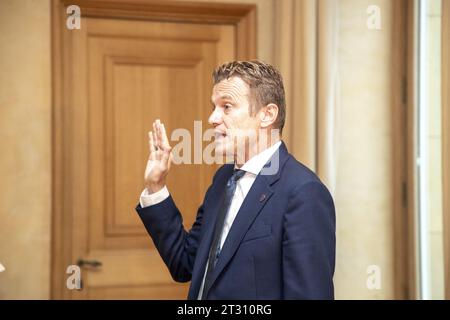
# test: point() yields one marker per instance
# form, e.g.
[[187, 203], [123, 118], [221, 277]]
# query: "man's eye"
[[227, 107]]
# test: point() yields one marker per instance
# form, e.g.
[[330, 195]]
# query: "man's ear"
[[268, 115]]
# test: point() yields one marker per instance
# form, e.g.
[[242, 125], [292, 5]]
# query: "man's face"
[[231, 114]]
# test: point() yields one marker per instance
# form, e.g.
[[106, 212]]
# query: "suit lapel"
[[249, 210], [258, 195], [205, 243]]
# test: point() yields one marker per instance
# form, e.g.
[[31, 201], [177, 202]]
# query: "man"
[[266, 228]]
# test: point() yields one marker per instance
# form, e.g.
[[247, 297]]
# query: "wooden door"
[[124, 74]]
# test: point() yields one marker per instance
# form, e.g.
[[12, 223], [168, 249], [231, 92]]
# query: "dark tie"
[[218, 228]]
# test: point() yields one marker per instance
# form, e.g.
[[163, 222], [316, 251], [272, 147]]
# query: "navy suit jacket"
[[281, 244]]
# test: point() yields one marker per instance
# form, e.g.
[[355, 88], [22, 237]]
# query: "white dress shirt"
[[252, 168]]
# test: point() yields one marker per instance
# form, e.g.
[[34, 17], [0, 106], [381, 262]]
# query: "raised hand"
[[160, 158]]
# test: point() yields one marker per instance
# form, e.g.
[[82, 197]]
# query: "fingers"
[[159, 142], [166, 156], [155, 136], [152, 147], [165, 160], [157, 126], [162, 142], [155, 141], [165, 140]]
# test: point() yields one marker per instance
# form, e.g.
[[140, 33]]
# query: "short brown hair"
[[265, 82]]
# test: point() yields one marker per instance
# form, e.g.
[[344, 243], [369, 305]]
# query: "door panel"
[[125, 75]]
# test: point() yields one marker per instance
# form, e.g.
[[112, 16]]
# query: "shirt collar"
[[257, 162]]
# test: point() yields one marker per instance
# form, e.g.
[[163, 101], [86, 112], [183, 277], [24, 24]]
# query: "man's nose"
[[215, 118]]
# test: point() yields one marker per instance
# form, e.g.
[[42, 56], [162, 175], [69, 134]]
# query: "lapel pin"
[[262, 198]]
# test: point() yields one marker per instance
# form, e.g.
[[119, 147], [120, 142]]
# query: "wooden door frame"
[[403, 102], [410, 188], [242, 16]]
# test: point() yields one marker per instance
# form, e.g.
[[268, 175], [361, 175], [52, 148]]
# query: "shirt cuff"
[[150, 199]]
